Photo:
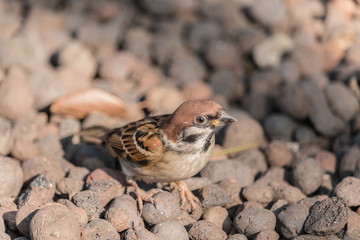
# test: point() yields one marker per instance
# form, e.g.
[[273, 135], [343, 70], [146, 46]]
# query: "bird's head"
[[196, 121]]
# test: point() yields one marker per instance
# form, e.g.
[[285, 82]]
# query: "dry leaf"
[[79, 104]]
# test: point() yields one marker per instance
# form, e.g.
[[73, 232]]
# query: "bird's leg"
[[186, 194], [142, 195]]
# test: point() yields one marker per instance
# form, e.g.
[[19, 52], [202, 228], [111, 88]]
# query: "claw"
[[186, 195], [142, 195]]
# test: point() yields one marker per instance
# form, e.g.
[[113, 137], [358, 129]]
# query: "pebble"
[[254, 220], [45, 87], [90, 202], [271, 13], [232, 189], [79, 213], [40, 191], [186, 67], [353, 225], [261, 194], [140, 233], [23, 218], [206, 230], [123, 213], [349, 190], [267, 235], [227, 169], [289, 71], [349, 161], [268, 53], [166, 208], [225, 82], [11, 177], [278, 154], [308, 175], [293, 101], [320, 115], [38, 165], [69, 186], [99, 227], [237, 236], [342, 101], [218, 216], [279, 126], [138, 41], [244, 131], [6, 137], [327, 161], [255, 159], [16, 99], [54, 220], [258, 105], [170, 230], [304, 136], [201, 34], [283, 190], [291, 220], [327, 217], [195, 183], [221, 54]]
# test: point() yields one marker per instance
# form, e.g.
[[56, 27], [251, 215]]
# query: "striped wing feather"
[[138, 142]]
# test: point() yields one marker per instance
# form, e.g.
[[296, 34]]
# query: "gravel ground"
[[288, 70]]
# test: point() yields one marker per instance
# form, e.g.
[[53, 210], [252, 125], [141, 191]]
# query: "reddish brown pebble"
[[267, 235], [38, 165], [308, 175], [353, 225], [284, 191], [166, 208], [78, 173], [218, 216], [213, 195], [232, 188], [206, 230], [291, 220], [349, 190], [54, 222], [327, 161], [170, 230], [254, 220], [261, 194], [90, 202], [69, 186], [278, 154], [139, 234], [23, 218], [123, 213], [237, 236], [99, 229], [79, 213], [11, 177]]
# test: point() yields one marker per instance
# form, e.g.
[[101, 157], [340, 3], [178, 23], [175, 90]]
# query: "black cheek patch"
[[191, 138]]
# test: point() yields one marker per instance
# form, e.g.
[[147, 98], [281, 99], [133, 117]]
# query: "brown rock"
[[291, 220], [254, 220], [279, 154], [38, 165], [23, 218], [166, 208], [349, 190], [16, 99], [99, 227], [267, 235], [90, 202], [54, 222], [170, 230], [353, 225], [327, 161], [11, 178], [308, 175], [206, 230], [261, 194], [218, 216]]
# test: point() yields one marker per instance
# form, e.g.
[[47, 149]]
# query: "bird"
[[166, 148]]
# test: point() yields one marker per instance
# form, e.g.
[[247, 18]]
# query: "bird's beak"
[[224, 119]]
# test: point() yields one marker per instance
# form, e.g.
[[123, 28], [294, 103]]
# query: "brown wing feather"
[[138, 142]]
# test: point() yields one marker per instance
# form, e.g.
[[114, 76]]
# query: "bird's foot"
[[186, 195], [143, 196]]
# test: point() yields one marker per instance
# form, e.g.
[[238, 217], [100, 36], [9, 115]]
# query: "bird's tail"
[[95, 135]]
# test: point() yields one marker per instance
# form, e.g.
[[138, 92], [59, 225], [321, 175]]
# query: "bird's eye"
[[200, 119]]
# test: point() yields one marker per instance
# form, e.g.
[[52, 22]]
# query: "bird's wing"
[[138, 142]]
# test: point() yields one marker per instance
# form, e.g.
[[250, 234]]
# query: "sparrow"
[[167, 148]]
